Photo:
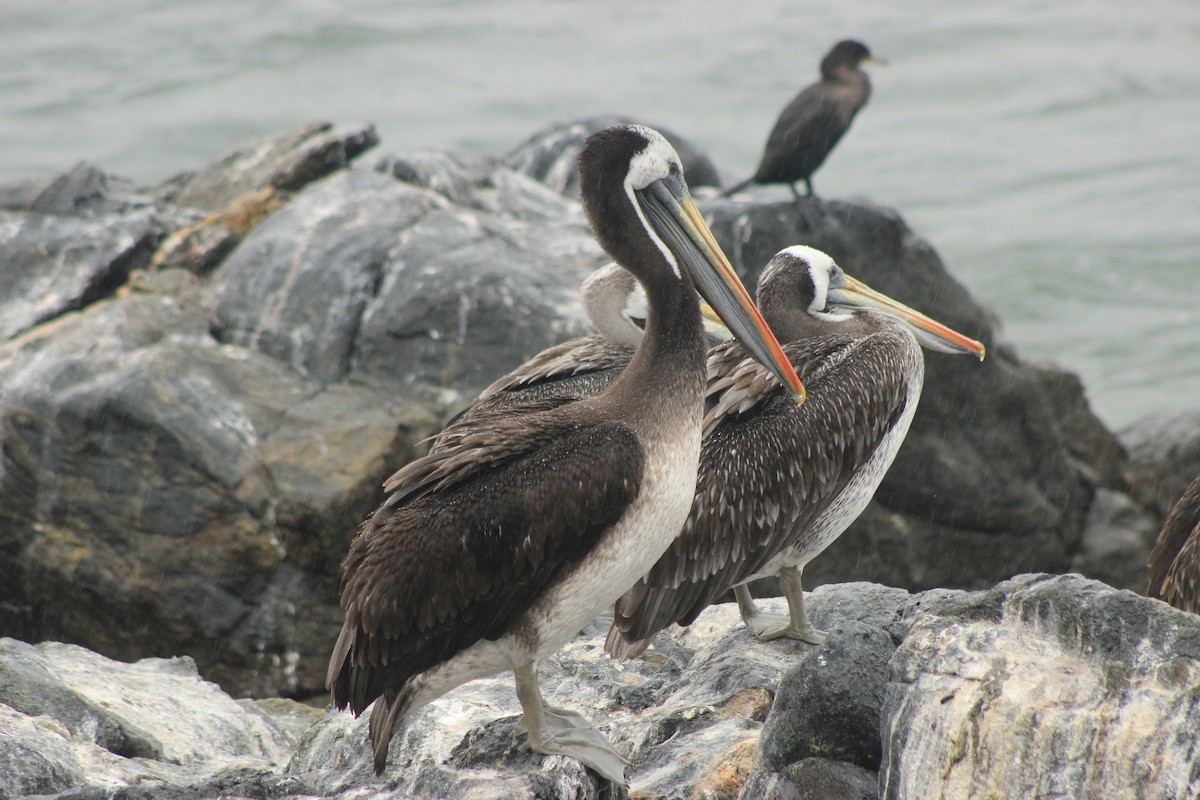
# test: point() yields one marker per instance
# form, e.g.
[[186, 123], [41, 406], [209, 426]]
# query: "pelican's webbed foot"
[[794, 625], [556, 731]]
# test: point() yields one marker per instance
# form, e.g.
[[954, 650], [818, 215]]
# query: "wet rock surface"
[[1041, 685]]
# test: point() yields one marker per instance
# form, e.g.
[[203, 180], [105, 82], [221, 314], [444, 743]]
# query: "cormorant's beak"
[[669, 208], [879, 62], [929, 332]]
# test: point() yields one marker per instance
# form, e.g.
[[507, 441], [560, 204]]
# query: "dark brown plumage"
[[1175, 560], [496, 548], [815, 120]]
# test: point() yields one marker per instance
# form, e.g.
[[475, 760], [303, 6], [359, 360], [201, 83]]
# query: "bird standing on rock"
[[778, 483], [810, 125], [494, 550]]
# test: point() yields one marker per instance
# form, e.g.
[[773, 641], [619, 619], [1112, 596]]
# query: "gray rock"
[[551, 154], [1093, 445], [813, 779], [288, 162], [297, 287], [1044, 687], [55, 264], [1165, 457], [1117, 538], [151, 474], [455, 175], [82, 190], [74, 719], [363, 276], [828, 706], [1041, 686], [81, 187], [199, 248]]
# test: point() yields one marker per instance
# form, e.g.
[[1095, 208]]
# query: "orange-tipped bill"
[[929, 332]]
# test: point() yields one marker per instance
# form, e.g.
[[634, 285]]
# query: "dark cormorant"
[[815, 120]]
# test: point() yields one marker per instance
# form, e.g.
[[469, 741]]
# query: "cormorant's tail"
[[738, 187]]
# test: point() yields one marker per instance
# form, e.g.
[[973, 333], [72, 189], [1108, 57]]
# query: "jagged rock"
[[688, 712], [813, 779], [72, 191], [163, 493], [288, 163], [297, 287], [199, 248], [455, 175], [551, 154], [1041, 686], [1044, 686], [82, 190], [828, 706], [73, 719], [55, 264], [367, 277], [1093, 445]]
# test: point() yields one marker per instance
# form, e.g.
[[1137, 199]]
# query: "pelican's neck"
[[670, 358]]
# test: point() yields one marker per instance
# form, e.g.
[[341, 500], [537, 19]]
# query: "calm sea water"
[[1050, 151]]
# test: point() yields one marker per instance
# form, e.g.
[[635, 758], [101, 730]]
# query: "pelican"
[[815, 120], [495, 550], [778, 483], [1175, 560]]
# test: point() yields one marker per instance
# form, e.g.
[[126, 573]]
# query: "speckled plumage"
[[1175, 560], [779, 483]]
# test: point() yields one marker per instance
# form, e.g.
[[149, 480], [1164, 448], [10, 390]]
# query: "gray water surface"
[[1050, 151]]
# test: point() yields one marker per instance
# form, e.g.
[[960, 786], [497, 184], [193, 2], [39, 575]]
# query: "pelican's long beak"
[[929, 332], [675, 217]]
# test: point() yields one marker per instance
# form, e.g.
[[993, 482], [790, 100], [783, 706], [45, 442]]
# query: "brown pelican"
[[810, 125], [1175, 560], [495, 550], [779, 483]]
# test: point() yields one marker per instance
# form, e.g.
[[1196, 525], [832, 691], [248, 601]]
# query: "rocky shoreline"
[[202, 384], [1041, 686]]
